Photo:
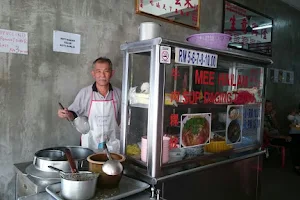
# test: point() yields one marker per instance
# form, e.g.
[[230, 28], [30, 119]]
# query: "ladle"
[[111, 167], [81, 123]]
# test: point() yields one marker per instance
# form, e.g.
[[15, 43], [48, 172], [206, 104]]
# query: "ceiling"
[[293, 3]]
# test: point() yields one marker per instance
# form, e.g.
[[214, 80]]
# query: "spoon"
[[111, 167]]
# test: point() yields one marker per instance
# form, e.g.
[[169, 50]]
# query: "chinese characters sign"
[[183, 12], [250, 30]]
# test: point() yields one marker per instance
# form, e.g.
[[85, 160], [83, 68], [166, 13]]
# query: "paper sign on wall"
[[66, 42], [13, 42]]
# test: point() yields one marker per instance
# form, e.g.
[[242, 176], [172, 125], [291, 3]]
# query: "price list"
[[251, 117]]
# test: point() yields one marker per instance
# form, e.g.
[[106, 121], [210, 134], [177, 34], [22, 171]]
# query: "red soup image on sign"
[[195, 131]]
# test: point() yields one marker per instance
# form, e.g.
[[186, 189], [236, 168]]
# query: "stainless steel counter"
[[31, 188], [46, 196]]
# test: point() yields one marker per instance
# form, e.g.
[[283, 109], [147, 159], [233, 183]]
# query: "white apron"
[[103, 126]]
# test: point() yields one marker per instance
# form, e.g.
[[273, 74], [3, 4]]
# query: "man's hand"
[[65, 114]]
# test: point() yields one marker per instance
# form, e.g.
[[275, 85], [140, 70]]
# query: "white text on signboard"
[[196, 58]]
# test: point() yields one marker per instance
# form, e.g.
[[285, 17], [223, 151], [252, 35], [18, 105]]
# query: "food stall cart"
[[191, 119]]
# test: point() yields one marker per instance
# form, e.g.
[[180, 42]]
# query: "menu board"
[[195, 129], [234, 124], [251, 118]]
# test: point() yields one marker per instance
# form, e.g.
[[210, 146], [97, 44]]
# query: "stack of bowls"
[[165, 149], [194, 151]]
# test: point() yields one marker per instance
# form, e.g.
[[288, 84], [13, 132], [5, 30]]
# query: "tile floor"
[[278, 183]]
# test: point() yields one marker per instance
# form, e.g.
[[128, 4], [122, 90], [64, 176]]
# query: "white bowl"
[[176, 154], [222, 117]]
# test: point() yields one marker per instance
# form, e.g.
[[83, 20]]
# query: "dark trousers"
[[294, 147]]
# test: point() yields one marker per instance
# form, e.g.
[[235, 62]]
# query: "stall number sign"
[[196, 58], [251, 117]]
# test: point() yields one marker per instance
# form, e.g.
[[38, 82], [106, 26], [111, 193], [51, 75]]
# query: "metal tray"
[[127, 187]]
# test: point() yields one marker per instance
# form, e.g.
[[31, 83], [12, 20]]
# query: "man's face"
[[102, 73], [269, 107]]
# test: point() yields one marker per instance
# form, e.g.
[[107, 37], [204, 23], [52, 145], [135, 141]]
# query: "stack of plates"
[[165, 149]]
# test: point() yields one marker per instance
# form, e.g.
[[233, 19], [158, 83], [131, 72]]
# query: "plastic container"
[[210, 40], [149, 30], [165, 149], [217, 146]]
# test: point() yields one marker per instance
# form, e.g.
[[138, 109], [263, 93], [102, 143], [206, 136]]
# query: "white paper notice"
[[66, 42], [13, 42]]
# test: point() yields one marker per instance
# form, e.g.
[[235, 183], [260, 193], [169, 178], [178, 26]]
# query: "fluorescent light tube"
[[262, 27]]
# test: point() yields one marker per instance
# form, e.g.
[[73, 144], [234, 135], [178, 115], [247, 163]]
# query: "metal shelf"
[[139, 105], [181, 105]]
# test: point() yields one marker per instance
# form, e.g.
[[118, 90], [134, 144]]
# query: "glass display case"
[[184, 106]]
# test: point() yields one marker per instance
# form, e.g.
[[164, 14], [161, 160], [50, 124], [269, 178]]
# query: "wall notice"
[[66, 42], [13, 42]]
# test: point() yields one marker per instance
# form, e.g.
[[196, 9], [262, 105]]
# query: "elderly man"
[[101, 103]]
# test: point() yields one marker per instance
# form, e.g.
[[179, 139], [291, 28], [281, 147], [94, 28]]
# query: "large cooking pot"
[[78, 189], [96, 162], [56, 157]]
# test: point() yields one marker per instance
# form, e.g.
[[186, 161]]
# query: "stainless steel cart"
[[166, 81]]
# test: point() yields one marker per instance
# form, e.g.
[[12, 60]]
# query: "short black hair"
[[103, 60]]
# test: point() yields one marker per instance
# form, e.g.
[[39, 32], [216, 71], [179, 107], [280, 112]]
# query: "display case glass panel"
[[204, 110]]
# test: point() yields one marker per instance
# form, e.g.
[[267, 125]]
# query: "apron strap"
[[92, 95], [113, 101]]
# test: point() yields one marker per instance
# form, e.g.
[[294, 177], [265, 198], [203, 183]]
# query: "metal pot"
[[56, 157], [78, 190], [149, 30]]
